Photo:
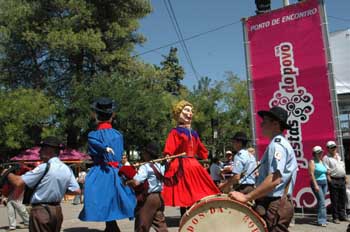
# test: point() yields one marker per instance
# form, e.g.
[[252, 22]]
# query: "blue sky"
[[214, 53]]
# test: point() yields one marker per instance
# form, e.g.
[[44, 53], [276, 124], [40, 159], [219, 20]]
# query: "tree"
[[23, 115], [236, 114], [62, 46], [173, 72]]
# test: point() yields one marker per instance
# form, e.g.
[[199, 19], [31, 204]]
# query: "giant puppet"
[[106, 198], [186, 181]]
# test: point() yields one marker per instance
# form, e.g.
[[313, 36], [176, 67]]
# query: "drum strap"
[[156, 172]]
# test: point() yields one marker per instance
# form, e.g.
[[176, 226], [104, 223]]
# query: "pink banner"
[[288, 67]]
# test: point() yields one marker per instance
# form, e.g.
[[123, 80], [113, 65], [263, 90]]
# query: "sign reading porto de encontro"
[[287, 63]]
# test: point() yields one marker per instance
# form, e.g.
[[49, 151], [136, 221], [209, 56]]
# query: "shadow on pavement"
[[306, 220], [173, 221], [81, 229]]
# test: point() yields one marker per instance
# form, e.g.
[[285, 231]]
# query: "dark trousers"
[[150, 213], [337, 192], [278, 213], [45, 218]]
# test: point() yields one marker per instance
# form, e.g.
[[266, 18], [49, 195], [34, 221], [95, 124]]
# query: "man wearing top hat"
[[106, 198], [243, 165], [52, 179], [277, 174]]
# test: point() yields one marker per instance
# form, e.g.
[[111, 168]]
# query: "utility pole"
[[285, 2]]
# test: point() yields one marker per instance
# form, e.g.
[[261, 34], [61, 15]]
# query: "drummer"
[[243, 166], [277, 173]]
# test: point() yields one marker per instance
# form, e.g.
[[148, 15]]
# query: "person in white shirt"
[[336, 182], [125, 161], [215, 171]]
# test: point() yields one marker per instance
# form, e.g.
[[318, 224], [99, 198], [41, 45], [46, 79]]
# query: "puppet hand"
[[109, 150]]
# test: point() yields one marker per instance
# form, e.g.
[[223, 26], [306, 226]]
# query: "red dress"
[[192, 181]]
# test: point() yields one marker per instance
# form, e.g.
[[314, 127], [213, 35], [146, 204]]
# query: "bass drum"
[[220, 213]]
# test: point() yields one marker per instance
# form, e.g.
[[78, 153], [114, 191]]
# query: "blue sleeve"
[[73, 184], [277, 158], [238, 166], [96, 144], [142, 174], [32, 177]]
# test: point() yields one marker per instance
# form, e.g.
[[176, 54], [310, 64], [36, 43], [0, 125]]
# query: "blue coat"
[[106, 198]]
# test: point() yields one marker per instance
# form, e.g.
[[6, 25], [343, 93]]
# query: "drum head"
[[219, 213]]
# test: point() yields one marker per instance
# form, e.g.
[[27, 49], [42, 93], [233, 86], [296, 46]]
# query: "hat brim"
[[98, 110], [50, 145], [264, 113], [240, 139], [332, 146]]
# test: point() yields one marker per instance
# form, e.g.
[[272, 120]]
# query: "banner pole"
[[333, 92], [250, 87]]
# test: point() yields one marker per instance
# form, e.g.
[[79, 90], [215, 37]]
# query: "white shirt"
[[54, 184], [145, 172], [335, 165]]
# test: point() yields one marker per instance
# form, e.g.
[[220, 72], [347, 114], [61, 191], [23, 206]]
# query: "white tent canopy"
[[340, 52]]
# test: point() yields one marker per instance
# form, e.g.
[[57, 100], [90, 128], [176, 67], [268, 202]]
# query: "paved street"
[[72, 224]]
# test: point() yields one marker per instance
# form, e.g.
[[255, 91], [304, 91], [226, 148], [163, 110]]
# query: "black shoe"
[[344, 220]]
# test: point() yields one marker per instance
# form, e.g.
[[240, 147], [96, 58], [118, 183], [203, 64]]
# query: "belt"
[[47, 203], [335, 177], [245, 185], [113, 164]]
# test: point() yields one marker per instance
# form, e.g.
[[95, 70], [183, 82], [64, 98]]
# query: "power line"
[[190, 37], [338, 18], [210, 31], [184, 43], [177, 29]]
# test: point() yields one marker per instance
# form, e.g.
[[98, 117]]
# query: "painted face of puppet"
[[186, 115]]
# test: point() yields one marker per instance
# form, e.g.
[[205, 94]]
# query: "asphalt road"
[[73, 224]]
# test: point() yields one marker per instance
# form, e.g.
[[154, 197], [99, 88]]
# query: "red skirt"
[[193, 185]]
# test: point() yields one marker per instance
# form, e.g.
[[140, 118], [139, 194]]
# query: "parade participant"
[[244, 165], [227, 165], [215, 171], [125, 161], [50, 181], [336, 182], [149, 211], [106, 199], [277, 174], [78, 199], [188, 180], [318, 174], [13, 201]]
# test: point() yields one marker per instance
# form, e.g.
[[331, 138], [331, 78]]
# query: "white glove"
[[109, 150]]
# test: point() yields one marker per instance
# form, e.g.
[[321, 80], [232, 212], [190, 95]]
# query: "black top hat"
[[240, 136], [278, 114], [153, 149], [51, 141], [103, 105]]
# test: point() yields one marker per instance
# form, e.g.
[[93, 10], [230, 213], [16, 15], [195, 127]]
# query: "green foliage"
[[23, 113], [57, 56], [173, 72]]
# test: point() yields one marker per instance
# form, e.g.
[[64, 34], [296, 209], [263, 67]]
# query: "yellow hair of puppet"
[[178, 107]]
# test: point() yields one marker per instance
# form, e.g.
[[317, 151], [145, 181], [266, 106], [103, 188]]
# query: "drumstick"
[[161, 159]]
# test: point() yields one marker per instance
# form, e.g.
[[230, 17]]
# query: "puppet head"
[[183, 112]]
